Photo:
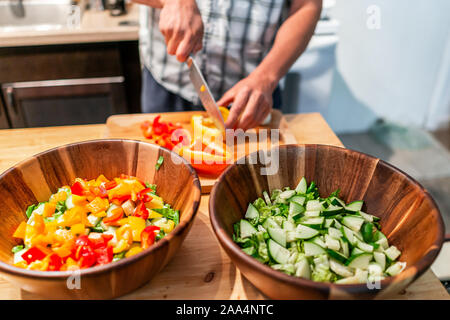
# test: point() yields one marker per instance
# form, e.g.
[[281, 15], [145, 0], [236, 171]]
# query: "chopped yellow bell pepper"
[[77, 229], [20, 231], [79, 200], [97, 205], [137, 224], [155, 203], [168, 226], [134, 250], [154, 214], [122, 245], [60, 196], [21, 264], [125, 233], [49, 209], [100, 214]]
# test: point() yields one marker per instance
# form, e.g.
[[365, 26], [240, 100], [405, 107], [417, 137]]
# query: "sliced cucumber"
[[332, 210], [383, 243], [354, 206], [375, 269], [270, 223], [380, 258], [337, 202], [354, 223], [312, 249], [302, 186], [287, 194], [337, 255], [318, 240], [298, 199], [335, 233], [302, 269], [247, 230], [288, 225], [305, 232], [252, 213], [93, 220], [392, 253], [315, 223], [348, 235], [328, 223], [267, 198], [396, 268], [366, 216], [277, 252], [279, 235], [295, 209], [345, 248], [332, 243], [340, 269], [69, 202], [360, 261], [356, 252], [312, 213], [364, 246], [313, 205]]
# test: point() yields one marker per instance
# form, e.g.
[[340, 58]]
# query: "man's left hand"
[[252, 102]]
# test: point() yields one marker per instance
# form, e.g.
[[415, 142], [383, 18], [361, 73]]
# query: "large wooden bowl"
[[37, 178], [409, 216]]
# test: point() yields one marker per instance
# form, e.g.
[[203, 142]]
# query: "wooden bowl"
[[36, 178], [409, 216]]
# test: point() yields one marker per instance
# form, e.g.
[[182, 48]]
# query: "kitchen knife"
[[204, 94]]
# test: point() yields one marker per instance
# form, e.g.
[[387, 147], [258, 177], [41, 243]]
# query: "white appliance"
[[307, 86]]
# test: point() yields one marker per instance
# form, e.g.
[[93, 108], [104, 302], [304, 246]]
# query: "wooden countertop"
[[215, 276], [96, 26]]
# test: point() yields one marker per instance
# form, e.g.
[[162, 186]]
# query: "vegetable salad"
[[92, 223], [322, 239]]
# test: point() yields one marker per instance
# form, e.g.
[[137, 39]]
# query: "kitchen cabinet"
[[68, 84]]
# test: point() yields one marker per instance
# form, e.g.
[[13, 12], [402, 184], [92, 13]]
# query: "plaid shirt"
[[237, 36]]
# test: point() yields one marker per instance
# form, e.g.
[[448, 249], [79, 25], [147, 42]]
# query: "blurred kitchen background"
[[377, 70]]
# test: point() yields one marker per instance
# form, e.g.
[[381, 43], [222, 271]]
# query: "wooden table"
[[210, 274]]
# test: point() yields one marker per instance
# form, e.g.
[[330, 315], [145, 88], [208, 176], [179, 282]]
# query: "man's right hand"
[[181, 24]]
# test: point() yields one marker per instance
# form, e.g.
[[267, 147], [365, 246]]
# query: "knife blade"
[[204, 94]]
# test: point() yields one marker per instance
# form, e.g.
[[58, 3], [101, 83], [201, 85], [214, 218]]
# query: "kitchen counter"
[[96, 26], [227, 282]]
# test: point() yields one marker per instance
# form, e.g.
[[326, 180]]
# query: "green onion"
[[159, 162]]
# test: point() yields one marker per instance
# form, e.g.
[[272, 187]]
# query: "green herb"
[[17, 248], [169, 213], [119, 256], [160, 235], [159, 162], [30, 210]]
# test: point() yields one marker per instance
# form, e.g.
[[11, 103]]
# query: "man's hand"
[[181, 24], [252, 102]]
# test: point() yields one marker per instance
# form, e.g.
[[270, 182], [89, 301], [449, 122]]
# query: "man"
[[244, 48]]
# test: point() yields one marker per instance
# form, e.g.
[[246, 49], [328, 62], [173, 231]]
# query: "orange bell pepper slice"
[[117, 214]]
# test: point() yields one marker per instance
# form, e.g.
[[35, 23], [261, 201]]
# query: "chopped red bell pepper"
[[85, 252], [104, 255], [110, 184], [55, 262], [121, 198], [32, 255], [117, 214], [144, 196], [148, 236], [141, 211], [77, 189], [101, 241]]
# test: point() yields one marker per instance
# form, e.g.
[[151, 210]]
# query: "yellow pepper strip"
[[20, 231], [97, 205], [100, 214], [168, 226], [79, 200], [122, 245], [78, 229], [42, 240], [62, 251], [100, 179], [71, 264], [60, 196], [30, 232], [21, 264], [122, 222], [49, 209], [137, 224], [39, 223], [125, 233], [154, 214], [51, 227], [133, 251], [156, 203]]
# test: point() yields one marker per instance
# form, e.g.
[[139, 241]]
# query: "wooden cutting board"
[[127, 126]]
